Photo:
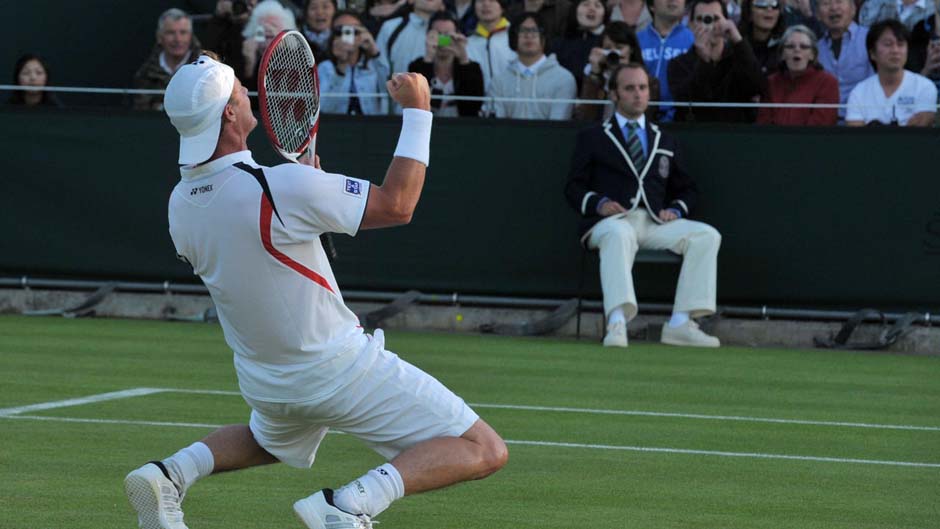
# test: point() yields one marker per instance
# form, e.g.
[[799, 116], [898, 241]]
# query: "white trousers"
[[618, 238]]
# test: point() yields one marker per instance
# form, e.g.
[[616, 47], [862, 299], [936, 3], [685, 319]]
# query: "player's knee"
[[495, 456]]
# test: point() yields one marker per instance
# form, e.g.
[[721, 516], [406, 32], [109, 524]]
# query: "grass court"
[[647, 437]]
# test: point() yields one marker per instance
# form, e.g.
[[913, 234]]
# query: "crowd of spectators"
[[728, 52]]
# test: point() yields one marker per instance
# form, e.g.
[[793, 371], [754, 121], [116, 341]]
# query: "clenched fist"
[[410, 90]]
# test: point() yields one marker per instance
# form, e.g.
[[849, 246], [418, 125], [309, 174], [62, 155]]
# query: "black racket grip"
[[327, 241]]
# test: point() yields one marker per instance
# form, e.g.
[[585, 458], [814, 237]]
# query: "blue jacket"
[[370, 76], [601, 168], [658, 51]]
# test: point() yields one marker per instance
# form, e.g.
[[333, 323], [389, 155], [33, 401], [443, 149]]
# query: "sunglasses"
[[792, 47], [765, 4]]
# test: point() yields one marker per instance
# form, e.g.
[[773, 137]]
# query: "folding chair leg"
[[581, 272]]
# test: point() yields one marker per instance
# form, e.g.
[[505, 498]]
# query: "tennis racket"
[[289, 95]]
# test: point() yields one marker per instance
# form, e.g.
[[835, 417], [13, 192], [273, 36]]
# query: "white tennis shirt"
[[868, 102], [260, 256]]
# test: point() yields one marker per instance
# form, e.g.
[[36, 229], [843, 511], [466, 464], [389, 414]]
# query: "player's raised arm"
[[393, 203]]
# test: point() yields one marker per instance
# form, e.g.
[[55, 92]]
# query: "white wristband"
[[415, 139]]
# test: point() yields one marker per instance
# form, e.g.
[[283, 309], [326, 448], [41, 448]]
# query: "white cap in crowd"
[[194, 101]]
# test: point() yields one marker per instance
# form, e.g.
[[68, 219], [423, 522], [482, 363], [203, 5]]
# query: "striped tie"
[[634, 146]]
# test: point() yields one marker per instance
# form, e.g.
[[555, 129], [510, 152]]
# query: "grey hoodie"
[[550, 81]]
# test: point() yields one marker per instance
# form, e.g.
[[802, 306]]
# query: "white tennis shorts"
[[391, 405]]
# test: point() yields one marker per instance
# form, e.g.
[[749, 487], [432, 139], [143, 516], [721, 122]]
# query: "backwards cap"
[[194, 101]]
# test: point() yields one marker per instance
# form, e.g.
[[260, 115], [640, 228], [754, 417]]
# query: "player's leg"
[[430, 436], [696, 291], [429, 465], [437, 463], [616, 242], [234, 447], [156, 490]]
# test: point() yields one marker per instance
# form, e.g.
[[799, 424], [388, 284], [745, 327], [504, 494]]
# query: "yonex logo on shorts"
[[353, 187]]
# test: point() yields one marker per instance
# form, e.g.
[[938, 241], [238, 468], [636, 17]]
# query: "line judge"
[[628, 183]]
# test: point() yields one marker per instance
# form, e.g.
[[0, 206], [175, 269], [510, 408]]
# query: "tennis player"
[[303, 362]]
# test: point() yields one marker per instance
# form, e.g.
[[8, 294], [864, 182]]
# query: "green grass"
[[58, 474]]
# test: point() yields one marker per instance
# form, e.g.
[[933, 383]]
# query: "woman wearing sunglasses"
[[762, 26], [800, 80]]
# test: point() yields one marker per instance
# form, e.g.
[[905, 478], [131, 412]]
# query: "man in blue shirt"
[[842, 50], [667, 37]]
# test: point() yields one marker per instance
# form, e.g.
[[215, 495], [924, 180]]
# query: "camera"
[[611, 58], [707, 19], [239, 7], [444, 41]]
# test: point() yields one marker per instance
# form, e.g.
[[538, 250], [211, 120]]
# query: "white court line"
[[112, 421], [648, 449], [713, 417], [729, 454], [642, 413], [136, 392], [150, 391]]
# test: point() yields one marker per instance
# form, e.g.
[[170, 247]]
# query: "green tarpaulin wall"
[[810, 217]]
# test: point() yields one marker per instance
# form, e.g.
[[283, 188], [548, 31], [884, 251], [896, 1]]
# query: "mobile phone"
[[348, 34], [444, 40]]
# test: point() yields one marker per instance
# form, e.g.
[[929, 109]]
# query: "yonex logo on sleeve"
[[353, 187]]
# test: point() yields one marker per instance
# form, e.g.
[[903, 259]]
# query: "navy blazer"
[[601, 167]]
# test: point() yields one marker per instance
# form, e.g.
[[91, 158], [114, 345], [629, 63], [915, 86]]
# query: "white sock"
[[372, 493], [678, 318], [189, 464], [616, 315]]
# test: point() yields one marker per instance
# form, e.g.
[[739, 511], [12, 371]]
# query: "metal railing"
[[485, 99]]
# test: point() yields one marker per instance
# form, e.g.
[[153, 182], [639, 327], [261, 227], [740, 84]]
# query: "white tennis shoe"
[[688, 334], [318, 512], [616, 335], [155, 498]]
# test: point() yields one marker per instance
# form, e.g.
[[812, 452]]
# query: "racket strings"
[[292, 101]]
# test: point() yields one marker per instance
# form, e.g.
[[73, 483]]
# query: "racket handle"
[[312, 148], [327, 241]]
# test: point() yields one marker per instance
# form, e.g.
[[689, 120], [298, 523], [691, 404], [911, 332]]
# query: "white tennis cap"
[[194, 100]]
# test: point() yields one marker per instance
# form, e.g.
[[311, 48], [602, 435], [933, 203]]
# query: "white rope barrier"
[[485, 99]]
